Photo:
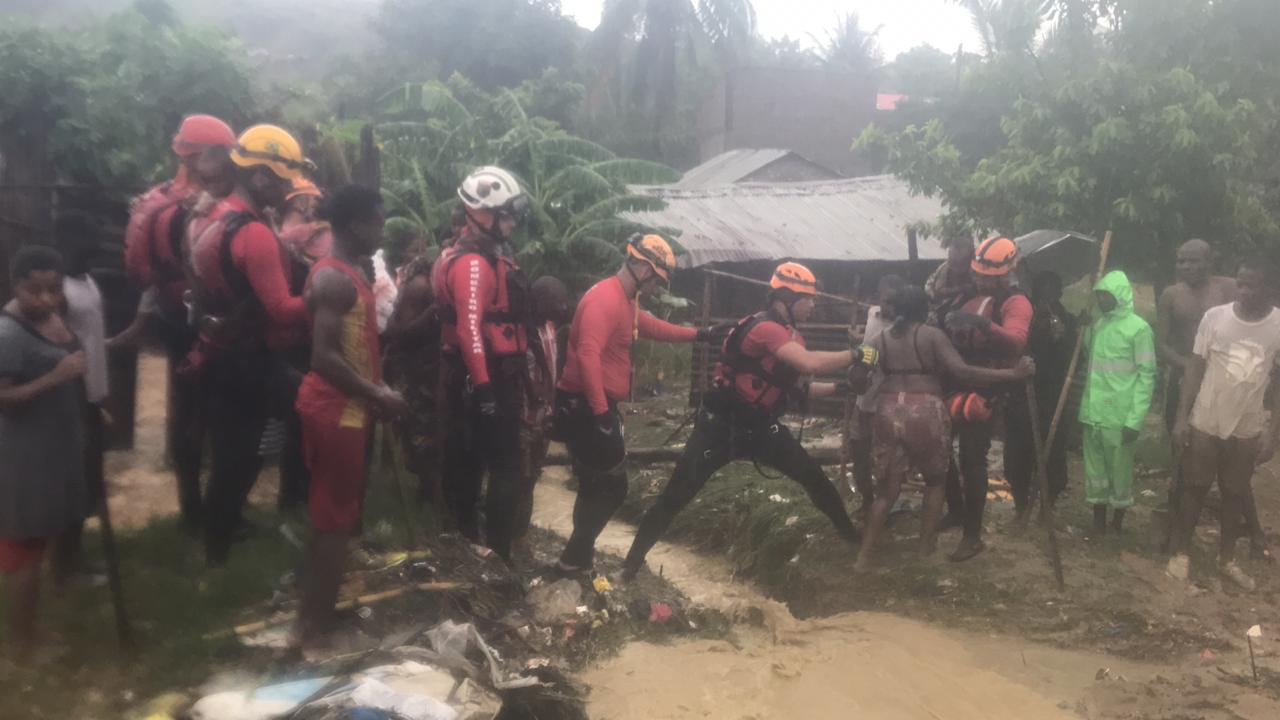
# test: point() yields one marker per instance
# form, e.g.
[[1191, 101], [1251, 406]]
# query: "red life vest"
[[505, 319], [153, 239], [762, 381]]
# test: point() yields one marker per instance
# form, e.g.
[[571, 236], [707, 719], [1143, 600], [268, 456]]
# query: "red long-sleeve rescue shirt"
[[257, 253], [1001, 344], [599, 356], [475, 286]]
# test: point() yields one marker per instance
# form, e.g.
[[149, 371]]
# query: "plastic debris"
[[365, 613], [376, 694], [553, 602], [261, 703], [779, 499], [1255, 632], [659, 613], [601, 584], [792, 520], [1208, 654]]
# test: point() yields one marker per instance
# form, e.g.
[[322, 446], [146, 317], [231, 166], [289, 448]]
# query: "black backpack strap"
[[232, 223]]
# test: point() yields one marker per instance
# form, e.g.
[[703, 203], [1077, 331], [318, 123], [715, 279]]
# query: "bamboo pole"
[[370, 599], [1042, 482], [1042, 449]]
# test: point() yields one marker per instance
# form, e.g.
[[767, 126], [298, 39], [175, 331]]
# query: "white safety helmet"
[[492, 188]]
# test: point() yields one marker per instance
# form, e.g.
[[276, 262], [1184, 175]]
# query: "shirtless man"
[[1178, 314], [912, 426]]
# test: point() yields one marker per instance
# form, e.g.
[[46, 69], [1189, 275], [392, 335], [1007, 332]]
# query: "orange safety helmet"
[[794, 277], [996, 256], [968, 407], [198, 132], [655, 251], [303, 186]]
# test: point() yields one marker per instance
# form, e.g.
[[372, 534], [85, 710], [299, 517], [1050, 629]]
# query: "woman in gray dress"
[[42, 488]]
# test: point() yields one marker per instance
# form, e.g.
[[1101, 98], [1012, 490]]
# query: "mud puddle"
[[861, 664]]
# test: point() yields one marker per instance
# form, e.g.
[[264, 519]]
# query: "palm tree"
[[639, 45], [1007, 26], [851, 48]]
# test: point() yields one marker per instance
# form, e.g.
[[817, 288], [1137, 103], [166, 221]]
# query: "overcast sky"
[[906, 23]]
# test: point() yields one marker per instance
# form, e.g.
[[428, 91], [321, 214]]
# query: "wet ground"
[[913, 638]]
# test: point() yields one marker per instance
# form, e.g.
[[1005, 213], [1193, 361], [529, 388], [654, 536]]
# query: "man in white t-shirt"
[[1229, 430], [76, 236]]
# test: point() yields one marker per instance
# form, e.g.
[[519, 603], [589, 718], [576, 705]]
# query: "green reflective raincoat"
[[1122, 362]]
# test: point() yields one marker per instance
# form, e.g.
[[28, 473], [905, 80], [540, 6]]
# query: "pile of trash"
[[447, 673], [468, 638]]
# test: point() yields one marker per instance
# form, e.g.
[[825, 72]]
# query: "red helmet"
[[198, 132]]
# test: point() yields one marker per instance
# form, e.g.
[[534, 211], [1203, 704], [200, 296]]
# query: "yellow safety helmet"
[[794, 277], [271, 147], [655, 251]]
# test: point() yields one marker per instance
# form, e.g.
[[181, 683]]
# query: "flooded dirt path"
[[870, 665]]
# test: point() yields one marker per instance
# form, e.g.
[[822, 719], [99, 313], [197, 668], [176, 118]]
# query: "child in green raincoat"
[[1117, 395]]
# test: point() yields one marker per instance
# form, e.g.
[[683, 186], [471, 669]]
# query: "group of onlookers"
[[280, 310]]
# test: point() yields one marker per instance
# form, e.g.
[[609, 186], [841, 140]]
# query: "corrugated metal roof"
[[853, 220], [730, 167]]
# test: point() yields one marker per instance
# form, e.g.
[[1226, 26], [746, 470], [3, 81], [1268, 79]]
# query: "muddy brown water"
[[870, 665]]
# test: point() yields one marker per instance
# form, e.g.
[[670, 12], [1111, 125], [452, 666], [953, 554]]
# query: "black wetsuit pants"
[[476, 442], [718, 439]]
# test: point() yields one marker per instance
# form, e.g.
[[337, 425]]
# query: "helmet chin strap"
[[492, 231]]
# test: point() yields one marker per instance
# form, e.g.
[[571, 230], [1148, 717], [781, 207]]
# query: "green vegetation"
[[1153, 119]]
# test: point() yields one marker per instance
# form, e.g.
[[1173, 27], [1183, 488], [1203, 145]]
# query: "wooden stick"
[[704, 348], [1042, 482], [259, 626], [389, 459], [124, 631], [762, 283], [1042, 449]]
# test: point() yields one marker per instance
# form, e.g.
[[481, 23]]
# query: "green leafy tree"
[[1121, 142]]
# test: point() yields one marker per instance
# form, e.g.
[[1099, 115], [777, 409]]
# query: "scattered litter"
[[535, 663], [948, 584], [601, 584], [1255, 632], [481, 550], [659, 613], [583, 610], [792, 520], [261, 703], [1148, 493], [275, 638], [1208, 654], [291, 537], [554, 601], [365, 613], [779, 499], [375, 694]]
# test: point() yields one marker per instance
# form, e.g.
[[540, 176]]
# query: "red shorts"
[[335, 458], [18, 555]]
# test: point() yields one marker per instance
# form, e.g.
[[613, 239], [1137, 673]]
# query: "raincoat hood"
[[1116, 284]]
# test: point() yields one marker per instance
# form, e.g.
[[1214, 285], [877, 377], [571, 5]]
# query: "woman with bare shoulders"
[[912, 427]]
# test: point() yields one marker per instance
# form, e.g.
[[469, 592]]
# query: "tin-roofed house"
[[850, 232]]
